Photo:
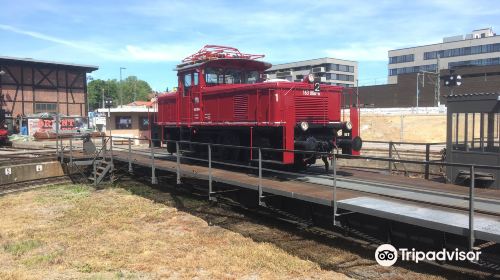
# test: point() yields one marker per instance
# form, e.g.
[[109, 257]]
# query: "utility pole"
[[121, 86], [102, 91], [437, 93], [418, 92], [135, 92]]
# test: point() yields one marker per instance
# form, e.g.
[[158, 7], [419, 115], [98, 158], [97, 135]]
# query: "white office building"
[[481, 47], [327, 70]]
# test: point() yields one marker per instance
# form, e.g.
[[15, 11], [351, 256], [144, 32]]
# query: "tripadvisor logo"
[[387, 255]]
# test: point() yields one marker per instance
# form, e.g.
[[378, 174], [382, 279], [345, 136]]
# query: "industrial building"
[[29, 86], [327, 70], [129, 121], [479, 48], [422, 87]]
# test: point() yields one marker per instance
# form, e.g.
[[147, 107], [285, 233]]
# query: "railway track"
[[355, 238], [34, 184]]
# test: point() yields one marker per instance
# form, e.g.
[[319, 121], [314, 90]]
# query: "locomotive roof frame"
[[224, 62]]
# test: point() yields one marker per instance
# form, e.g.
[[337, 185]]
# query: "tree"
[[134, 89], [97, 88]]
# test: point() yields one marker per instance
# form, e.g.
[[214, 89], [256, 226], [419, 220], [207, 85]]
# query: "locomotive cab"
[[223, 98]]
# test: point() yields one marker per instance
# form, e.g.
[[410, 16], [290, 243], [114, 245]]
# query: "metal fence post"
[[95, 173], [177, 153], [130, 170], [427, 158], [103, 144], [154, 180], [210, 173], [111, 151], [57, 144], [390, 156], [62, 151], [261, 203], [70, 150], [471, 207], [334, 163]]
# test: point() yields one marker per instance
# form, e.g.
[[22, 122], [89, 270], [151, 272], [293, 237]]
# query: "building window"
[[413, 69], [45, 107], [143, 123], [486, 61], [123, 122], [489, 48], [401, 58]]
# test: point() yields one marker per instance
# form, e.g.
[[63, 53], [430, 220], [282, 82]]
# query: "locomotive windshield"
[[219, 76]]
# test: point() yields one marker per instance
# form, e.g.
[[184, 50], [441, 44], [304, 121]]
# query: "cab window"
[[195, 78], [187, 83]]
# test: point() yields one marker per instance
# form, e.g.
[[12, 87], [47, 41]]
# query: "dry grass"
[[76, 232]]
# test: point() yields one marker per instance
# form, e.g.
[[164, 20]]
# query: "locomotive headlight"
[[348, 125], [304, 126], [339, 133], [310, 77]]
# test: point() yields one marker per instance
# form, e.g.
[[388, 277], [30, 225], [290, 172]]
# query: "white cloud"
[[155, 53], [151, 53]]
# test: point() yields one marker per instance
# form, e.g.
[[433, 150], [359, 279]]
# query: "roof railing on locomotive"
[[224, 91]]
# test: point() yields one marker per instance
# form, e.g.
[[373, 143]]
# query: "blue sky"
[[150, 37]]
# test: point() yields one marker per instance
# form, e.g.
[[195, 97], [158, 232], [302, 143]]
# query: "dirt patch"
[[77, 232]]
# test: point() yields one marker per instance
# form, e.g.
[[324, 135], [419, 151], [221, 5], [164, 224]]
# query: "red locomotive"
[[223, 97]]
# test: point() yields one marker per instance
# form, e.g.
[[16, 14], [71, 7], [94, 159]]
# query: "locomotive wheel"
[[299, 163]]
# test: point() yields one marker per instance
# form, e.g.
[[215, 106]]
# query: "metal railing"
[[179, 154], [391, 149]]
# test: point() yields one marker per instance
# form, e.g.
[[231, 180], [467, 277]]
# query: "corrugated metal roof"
[[31, 60]]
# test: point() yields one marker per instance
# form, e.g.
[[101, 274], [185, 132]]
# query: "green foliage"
[[97, 88], [132, 89], [21, 247], [135, 90]]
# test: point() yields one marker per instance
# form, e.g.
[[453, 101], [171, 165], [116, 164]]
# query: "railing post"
[[471, 208], [62, 151], [130, 170], [334, 166], [95, 173], [210, 173], [261, 203], [103, 144], [154, 180], [111, 150], [57, 144], [390, 156], [177, 153], [70, 150], [427, 158]]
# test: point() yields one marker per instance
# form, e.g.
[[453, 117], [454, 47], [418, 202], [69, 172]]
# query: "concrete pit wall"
[[29, 172]]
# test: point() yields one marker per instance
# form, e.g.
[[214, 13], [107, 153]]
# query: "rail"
[[209, 159]]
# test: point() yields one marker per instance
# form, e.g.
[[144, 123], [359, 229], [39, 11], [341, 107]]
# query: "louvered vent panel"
[[311, 108], [240, 107]]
